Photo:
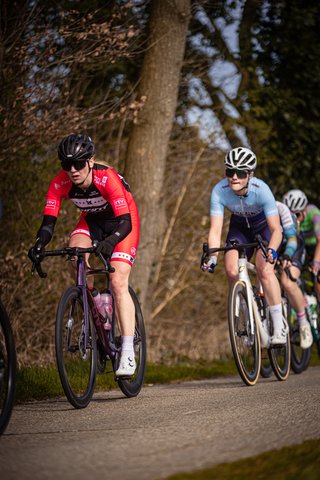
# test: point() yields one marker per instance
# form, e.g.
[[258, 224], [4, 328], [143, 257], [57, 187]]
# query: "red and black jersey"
[[109, 195], [107, 199]]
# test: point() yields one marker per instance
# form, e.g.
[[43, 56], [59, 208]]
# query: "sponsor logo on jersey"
[[104, 179], [273, 212], [247, 214], [57, 185], [133, 250], [82, 203], [99, 181], [51, 204], [120, 203]]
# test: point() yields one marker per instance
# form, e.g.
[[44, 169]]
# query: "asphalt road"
[[167, 429]]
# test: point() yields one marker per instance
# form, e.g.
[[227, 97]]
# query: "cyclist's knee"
[[119, 283], [232, 275], [266, 272]]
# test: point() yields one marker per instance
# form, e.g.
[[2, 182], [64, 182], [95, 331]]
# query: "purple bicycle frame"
[[109, 348]]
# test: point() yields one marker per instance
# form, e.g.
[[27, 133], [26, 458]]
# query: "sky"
[[223, 74]]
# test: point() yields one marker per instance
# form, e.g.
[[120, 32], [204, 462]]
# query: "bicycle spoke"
[[76, 354], [245, 346]]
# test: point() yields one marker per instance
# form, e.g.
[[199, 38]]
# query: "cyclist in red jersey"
[[108, 209]]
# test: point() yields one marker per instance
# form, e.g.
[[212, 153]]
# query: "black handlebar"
[[72, 251], [258, 242]]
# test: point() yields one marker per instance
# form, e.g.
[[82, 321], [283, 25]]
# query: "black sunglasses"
[[78, 164], [240, 173], [298, 214]]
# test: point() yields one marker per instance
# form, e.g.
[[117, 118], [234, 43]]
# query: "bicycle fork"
[[253, 309]]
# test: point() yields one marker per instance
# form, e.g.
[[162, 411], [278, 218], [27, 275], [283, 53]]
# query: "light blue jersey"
[[256, 206]]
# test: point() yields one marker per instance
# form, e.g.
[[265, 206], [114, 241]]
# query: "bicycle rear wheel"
[[280, 356], [245, 346], [131, 387], [8, 369], [77, 365], [317, 340], [266, 367], [300, 357]]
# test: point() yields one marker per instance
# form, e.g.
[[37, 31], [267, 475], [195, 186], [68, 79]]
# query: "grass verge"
[[38, 383], [299, 462]]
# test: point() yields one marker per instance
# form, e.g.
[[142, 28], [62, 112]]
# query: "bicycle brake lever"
[[106, 263], [40, 272]]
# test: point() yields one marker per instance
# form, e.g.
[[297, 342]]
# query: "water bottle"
[[106, 308], [96, 297], [312, 303]]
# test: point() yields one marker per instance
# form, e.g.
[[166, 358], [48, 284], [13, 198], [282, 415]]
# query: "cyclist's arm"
[[46, 230], [56, 191], [316, 229], [214, 240], [275, 230], [289, 230]]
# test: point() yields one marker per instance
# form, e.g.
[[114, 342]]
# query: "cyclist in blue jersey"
[[293, 253], [254, 211]]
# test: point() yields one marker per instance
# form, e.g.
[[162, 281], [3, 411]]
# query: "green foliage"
[[288, 103]]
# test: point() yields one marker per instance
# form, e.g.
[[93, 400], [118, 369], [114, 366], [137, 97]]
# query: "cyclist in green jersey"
[[309, 218]]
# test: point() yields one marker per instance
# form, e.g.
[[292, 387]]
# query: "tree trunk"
[[149, 138]]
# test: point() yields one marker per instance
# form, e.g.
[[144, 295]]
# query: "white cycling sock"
[[302, 319], [276, 315], [127, 345]]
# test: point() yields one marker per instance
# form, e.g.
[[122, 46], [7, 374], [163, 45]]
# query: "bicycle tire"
[[280, 357], [8, 369], [300, 357], [246, 350], [77, 367], [317, 342], [131, 387], [266, 367]]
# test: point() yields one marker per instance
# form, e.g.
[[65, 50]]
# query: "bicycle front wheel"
[[76, 349], [132, 386], [245, 346], [8, 369], [280, 356]]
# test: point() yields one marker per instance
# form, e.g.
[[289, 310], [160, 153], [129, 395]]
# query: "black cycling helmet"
[[75, 147]]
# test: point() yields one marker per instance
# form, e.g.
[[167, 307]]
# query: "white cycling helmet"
[[296, 200], [240, 158]]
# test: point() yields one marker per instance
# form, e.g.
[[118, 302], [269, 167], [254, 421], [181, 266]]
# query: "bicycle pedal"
[[123, 377]]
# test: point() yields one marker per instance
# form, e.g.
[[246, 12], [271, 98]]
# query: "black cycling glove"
[[106, 246], [37, 253]]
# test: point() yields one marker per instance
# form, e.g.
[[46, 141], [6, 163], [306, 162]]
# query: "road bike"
[[8, 369], [300, 358], [83, 346], [250, 325]]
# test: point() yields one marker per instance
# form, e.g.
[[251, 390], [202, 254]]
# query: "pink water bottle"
[[96, 298], [106, 308]]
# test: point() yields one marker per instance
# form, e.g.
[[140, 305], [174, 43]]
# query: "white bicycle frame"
[[244, 265]]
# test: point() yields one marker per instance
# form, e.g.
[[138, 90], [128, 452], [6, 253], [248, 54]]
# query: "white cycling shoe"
[[279, 336], [127, 366], [306, 339]]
